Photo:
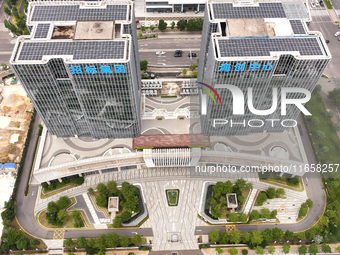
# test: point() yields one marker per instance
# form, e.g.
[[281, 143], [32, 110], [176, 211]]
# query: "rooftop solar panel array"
[[73, 13], [41, 31], [264, 10], [79, 50], [263, 47], [297, 27]]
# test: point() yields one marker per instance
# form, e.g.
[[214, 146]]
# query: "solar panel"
[[79, 50], [264, 10], [263, 46], [41, 31], [297, 27], [73, 13]]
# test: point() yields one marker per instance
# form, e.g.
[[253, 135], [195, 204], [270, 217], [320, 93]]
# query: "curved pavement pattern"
[[25, 205]]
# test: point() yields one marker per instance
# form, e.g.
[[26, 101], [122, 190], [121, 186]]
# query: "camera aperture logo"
[[238, 104]]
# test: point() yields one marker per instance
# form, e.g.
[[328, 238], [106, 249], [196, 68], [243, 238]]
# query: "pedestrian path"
[[98, 223], [250, 201]]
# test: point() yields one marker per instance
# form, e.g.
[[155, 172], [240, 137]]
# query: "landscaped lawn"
[[331, 140], [172, 196]]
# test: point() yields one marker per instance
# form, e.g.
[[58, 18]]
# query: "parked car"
[[321, 3], [178, 53], [160, 53], [192, 54], [337, 33], [312, 4], [327, 41], [317, 4]]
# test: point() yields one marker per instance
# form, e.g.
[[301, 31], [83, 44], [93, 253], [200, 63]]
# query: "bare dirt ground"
[[15, 116]]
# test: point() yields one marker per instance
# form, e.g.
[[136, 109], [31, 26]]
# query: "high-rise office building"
[[80, 67], [260, 45]]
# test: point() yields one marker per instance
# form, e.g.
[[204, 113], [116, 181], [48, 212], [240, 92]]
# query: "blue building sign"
[[240, 67], [103, 69]]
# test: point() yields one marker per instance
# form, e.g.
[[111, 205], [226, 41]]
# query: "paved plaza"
[[178, 220]]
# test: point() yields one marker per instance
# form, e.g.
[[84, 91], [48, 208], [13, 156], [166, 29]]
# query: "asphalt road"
[[6, 42], [322, 22], [25, 205]]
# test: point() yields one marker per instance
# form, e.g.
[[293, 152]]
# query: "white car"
[[317, 4], [160, 53], [312, 4], [337, 33]]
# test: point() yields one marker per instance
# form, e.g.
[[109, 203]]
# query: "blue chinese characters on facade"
[[240, 67], [103, 69]]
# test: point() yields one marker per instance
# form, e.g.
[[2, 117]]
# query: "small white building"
[[113, 204]]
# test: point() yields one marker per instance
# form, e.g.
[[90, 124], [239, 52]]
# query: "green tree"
[[219, 250], [246, 236], [300, 235], [152, 27], [329, 114], [320, 134], [233, 251], [194, 74], [7, 10], [101, 252], [326, 248], [233, 217], [81, 242], [224, 238], [214, 236], [244, 252], [192, 67], [78, 221], [315, 121], [124, 241], [335, 127], [235, 236], [68, 242], [52, 207], [286, 248], [62, 215], [34, 242], [136, 239], [15, 12], [309, 203], [63, 203], [240, 184], [313, 249], [302, 212], [240, 199], [112, 188], [90, 191], [143, 28], [191, 26], [334, 96], [181, 24], [265, 213], [199, 24], [254, 215], [173, 25], [184, 71], [100, 242], [162, 25], [126, 216], [117, 222], [143, 65], [267, 234], [318, 239], [101, 201], [112, 240], [271, 192], [289, 235], [273, 214], [259, 250], [261, 198], [271, 250], [324, 149], [280, 192], [22, 243], [277, 234], [256, 237], [302, 250], [243, 217], [101, 188]]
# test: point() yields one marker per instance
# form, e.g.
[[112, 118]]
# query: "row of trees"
[[55, 185], [313, 249], [264, 213], [128, 198], [19, 19], [11, 238], [57, 215], [190, 25], [269, 193], [99, 244]]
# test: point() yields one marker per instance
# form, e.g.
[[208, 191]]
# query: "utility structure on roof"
[[80, 67], [260, 45]]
